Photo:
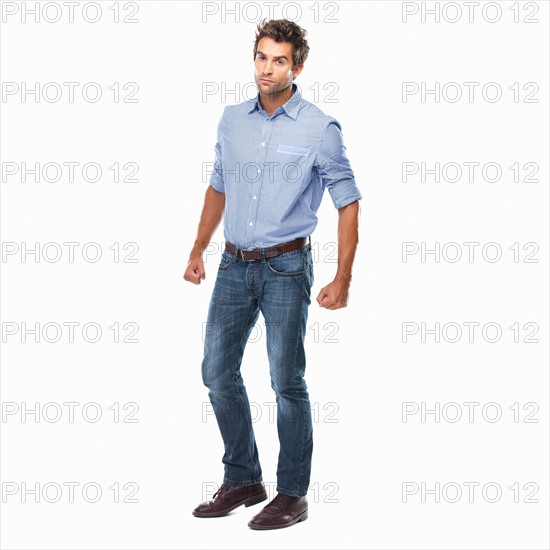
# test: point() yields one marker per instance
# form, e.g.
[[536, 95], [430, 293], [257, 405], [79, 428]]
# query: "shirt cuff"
[[344, 193], [217, 183]]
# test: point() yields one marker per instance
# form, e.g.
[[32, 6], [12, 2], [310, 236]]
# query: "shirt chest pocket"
[[292, 150], [292, 164]]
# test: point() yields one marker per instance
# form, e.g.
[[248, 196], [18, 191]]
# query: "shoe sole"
[[250, 501], [301, 517]]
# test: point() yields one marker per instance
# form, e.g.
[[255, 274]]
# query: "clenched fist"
[[194, 271]]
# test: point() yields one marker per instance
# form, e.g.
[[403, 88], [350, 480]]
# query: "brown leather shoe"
[[282, 511], [227, 498]]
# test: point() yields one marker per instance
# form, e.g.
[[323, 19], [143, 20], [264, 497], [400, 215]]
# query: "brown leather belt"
[[270, 252]]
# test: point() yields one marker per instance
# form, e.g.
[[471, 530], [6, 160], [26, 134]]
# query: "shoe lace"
[[278, 503], [222, 487]]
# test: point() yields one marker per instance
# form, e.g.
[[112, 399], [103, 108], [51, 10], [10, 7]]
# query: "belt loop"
[[262, 255]]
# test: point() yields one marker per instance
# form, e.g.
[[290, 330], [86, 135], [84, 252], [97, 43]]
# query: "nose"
[[267, 68]]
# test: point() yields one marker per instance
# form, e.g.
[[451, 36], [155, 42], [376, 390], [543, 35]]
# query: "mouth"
[[264, 81]]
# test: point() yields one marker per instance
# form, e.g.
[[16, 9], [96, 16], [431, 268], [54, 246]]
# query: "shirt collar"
[[291, 107]]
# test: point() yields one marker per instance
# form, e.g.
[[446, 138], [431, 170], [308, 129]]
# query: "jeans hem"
[[291, 493], [245, 483]]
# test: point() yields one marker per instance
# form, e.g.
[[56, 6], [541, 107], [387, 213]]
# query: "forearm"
[[211, 216], [348, 237]]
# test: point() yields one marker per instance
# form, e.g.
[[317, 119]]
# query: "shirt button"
[[259, 171], [254, 197], [263, 143], [250, 223]]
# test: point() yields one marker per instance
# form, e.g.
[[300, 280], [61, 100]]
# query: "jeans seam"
[[249, 424], [295, 355]]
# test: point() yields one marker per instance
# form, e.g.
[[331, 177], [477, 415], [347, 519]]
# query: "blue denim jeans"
[[280, 288]]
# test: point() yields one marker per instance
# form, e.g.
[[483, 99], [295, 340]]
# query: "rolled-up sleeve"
[[216, 178], [334, 168]]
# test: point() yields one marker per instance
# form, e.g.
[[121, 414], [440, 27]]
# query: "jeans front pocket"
[[226, 260], [289, 264]]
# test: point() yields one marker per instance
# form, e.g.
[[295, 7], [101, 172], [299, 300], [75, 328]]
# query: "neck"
[[272, 101]]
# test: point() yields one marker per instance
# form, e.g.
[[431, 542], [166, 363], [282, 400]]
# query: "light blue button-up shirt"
[[274, 170]]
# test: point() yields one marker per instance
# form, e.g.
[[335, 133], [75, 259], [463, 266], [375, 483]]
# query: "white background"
[[363, 450]]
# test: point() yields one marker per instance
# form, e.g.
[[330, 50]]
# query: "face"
[[273, 66]]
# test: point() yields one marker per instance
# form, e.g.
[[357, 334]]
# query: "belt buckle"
[[242, 256]]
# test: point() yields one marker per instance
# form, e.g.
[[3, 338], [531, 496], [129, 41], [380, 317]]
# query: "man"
[[275, 155]]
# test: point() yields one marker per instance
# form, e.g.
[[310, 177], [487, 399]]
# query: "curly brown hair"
[[283, 30]]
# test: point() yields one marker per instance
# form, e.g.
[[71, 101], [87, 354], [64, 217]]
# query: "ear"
[[298, 69]]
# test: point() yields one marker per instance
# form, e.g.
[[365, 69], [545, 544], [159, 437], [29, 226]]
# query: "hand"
[[194, 271], [334, 295]]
